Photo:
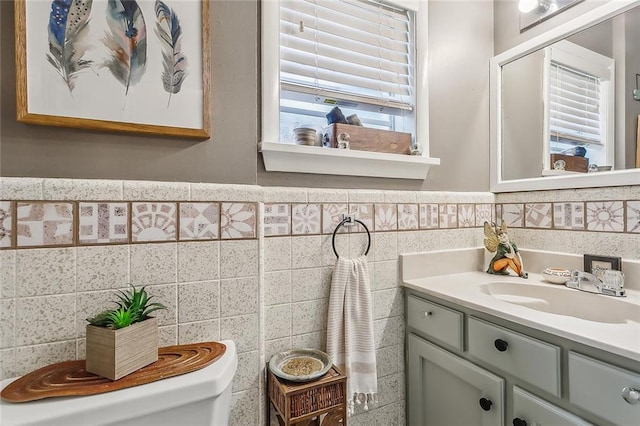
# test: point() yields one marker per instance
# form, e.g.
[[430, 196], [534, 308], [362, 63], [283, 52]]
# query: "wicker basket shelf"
[[299, 403]]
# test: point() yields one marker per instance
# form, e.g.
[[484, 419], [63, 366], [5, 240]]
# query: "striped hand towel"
[[350, 341]]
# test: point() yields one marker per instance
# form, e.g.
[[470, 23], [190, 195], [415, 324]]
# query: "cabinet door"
[[446, 390], [530, 410]]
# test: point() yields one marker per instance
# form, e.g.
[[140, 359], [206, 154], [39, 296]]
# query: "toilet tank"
[[199, 398]]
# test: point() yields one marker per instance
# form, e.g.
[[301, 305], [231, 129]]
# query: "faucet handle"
[[613, 279]]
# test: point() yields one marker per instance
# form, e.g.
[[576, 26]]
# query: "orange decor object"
[[304, 403], [70, 378]]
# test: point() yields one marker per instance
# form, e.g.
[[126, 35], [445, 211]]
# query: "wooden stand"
[[304, 403]]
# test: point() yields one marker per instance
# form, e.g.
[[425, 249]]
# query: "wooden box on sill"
[[572, 163], [367, 139]]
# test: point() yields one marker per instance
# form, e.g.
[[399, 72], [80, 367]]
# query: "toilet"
[[199, 398]]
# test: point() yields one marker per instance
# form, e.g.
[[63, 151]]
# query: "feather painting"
[[68, 38], [127, 42], [174, 61]]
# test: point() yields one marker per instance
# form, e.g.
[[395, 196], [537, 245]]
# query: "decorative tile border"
[[30, 224], [153, 222], [199, 221], [103, 223], [237, 221], [6, 223], [44, 224]]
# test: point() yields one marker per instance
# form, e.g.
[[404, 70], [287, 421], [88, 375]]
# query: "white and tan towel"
[[350, 341]]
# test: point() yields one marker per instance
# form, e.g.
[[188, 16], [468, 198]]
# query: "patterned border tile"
[[306, 219], [153, 222], [276, 220], [429, 215], [386, 217], [633, 217], [568, 216], [538, 215], [199, 221], [6, 225], [485, 213], [466, 216], [238, 220], [513, 214], [44, 224], [605, 216], [365, 213], [408, 217], [331, 217], [448, 215], [103, 223]]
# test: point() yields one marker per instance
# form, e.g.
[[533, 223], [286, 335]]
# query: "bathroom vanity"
[[494, 350]]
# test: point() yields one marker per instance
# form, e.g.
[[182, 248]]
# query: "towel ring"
[[350, 220]]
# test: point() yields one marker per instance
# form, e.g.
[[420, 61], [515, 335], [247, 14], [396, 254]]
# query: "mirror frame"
[[586, 180]]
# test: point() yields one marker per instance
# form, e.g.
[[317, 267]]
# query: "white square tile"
[[200, 331], [307, 284], [153, 263], [44, 224], [308, 317], [238, 296], [277, 253], [332, 215], [198, 261], [238, 258], [513, 215], [238, 220], [277, 321], [153, 222], [44, 319], [243, 330], [45, 271], [102, 267], [277, 287], [306, 251], [386, 217], [30, 358], [466, 216], [103, 223], [199, 221], [198, 301], [429, 216]]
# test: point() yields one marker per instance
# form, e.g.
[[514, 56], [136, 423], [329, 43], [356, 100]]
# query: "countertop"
[[466, 289]]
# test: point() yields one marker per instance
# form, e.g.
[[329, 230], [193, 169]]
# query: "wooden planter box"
[[116, 353]]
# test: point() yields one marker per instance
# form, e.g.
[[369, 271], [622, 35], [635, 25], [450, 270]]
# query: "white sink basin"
[[560, 300]]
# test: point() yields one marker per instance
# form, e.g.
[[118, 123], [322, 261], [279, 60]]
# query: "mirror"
[[563, 113]]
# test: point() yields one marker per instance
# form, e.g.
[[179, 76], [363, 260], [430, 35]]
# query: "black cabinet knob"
[[519, 422], [501, 345], [485, 404]]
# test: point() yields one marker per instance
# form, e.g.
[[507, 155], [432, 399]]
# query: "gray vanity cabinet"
[[444, 389], [465, 367]]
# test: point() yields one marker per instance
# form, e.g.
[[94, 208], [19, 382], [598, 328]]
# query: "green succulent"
[[132, 306]]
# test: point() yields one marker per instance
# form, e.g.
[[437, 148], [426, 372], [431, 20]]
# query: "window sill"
[[279, 157]]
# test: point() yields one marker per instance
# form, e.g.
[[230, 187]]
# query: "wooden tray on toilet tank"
[[70, 378]]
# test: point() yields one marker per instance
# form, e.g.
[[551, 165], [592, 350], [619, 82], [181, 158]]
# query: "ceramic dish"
[[300, 365], [556, 275]]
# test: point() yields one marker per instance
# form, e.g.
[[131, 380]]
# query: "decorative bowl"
[[300, 365], [556, 275]]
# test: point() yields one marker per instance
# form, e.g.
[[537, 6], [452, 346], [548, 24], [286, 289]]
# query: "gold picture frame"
[[158, 102]]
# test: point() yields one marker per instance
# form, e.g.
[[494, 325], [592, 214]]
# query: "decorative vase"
[[116, 353]]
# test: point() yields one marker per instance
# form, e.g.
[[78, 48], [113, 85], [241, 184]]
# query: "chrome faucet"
[[610, 284]]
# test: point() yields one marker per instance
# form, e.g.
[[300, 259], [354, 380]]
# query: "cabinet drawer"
[[435, 321], [598, 387], [529, 359], [536, 411]]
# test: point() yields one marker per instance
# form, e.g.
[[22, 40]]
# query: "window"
[[579, 102], [367, 57], [356, 54]]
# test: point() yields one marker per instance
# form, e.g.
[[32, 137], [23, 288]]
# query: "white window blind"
[[357, 51], [575, 106]]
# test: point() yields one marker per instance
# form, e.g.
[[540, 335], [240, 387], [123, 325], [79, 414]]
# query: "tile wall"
[[252, 264]]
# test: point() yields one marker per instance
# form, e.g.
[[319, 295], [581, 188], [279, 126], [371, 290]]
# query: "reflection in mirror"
[[568, 108]]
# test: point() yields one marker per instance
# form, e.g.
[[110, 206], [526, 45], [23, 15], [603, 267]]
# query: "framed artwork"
[[139, 66]]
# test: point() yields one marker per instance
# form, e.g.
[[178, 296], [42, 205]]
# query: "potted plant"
[[124, 339]]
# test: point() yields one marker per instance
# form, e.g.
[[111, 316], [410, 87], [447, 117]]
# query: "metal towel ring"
[[350, 220]]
